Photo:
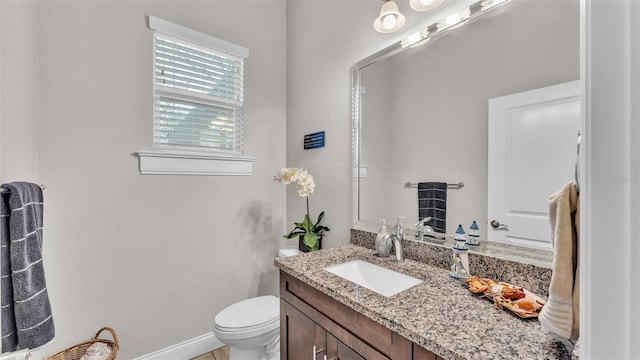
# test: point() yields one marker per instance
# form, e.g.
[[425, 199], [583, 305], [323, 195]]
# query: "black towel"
[[432, 202], [26, 312]]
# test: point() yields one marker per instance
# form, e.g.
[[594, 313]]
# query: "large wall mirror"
[[421, 112]]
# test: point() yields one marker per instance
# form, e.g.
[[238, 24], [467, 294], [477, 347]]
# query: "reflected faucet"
[[421, 228]]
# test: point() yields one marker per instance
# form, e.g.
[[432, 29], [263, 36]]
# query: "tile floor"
[[217, 354]]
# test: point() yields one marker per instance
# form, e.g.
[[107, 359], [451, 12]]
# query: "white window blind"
[[198, 96], [197, 104]]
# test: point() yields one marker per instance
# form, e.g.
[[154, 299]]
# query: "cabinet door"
[[420, 353], [345, 353], [304, 338], [337, 350]]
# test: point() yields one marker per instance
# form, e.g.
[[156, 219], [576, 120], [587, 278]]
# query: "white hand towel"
[[560, 314], [97, 351]]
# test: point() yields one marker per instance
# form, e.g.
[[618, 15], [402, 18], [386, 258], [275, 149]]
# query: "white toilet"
[[251, 327]]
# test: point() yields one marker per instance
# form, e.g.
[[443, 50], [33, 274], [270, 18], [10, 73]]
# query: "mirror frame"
[[463, 15], [532, 256]]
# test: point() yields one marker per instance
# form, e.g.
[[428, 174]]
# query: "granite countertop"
[[439, 314]]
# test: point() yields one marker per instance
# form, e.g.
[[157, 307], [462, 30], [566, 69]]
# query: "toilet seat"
[[250, 317]]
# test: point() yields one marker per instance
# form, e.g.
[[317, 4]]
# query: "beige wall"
[[155, 257], [324, 39], [18, 91]]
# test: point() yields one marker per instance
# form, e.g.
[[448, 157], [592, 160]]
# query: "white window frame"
[[179, 162]]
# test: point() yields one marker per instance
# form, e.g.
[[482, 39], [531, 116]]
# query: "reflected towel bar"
[[449, 186]]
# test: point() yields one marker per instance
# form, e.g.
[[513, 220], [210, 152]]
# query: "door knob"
[[497, 225]]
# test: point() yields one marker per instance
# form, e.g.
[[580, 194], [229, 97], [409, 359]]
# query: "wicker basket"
[[76, 351]]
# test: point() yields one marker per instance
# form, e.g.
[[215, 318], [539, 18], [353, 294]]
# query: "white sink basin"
[[373, 277]]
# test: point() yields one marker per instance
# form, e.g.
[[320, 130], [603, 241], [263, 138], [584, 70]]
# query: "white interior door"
[[532, 154]]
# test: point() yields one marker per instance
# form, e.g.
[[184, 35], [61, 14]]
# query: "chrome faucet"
[[397, 244], [398, 229], [396, 237]]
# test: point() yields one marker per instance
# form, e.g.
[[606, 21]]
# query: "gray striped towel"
[[432, 202], [27, 322]]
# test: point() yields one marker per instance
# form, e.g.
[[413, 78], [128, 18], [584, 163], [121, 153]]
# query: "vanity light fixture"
[[390, 18], [454, 20], [424, 5]]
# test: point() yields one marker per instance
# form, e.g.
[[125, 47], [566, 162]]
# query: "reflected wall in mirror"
[[422, 113]]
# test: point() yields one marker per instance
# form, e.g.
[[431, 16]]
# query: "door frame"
[[609, 179]]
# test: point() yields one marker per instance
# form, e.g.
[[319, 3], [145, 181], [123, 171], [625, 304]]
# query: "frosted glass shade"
[[390, 18]]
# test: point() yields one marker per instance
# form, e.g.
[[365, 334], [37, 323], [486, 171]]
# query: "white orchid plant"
[[304, 183]]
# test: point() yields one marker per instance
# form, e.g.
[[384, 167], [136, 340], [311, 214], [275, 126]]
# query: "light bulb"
[[452, 19], [390, 18], [389, 21], [414, 38], [424, 5]]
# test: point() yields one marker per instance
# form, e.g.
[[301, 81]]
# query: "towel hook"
[[578, 161]]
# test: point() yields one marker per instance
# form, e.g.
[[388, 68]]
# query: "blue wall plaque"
[[315, 140]]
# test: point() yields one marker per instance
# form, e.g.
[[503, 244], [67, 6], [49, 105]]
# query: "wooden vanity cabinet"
[[315, 326], [308, 340], [420, 353]]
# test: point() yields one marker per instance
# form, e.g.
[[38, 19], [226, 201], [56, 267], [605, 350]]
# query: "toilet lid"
[[249, 313]]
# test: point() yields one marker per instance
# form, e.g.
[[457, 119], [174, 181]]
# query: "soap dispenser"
[[474, 234], [383, 244], [460, 266]]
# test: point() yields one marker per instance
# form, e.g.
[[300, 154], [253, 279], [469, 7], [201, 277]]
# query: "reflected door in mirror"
[[532, 154]]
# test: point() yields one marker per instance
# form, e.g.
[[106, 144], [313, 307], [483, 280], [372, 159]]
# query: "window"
[[198, 103]]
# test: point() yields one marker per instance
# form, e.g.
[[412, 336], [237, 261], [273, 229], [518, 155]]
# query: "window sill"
[[189, 163]]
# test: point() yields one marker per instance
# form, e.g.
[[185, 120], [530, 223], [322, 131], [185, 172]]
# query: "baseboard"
[[186, 349]]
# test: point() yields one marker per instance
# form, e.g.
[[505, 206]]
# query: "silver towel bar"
[[4, 191], [459, 185]]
